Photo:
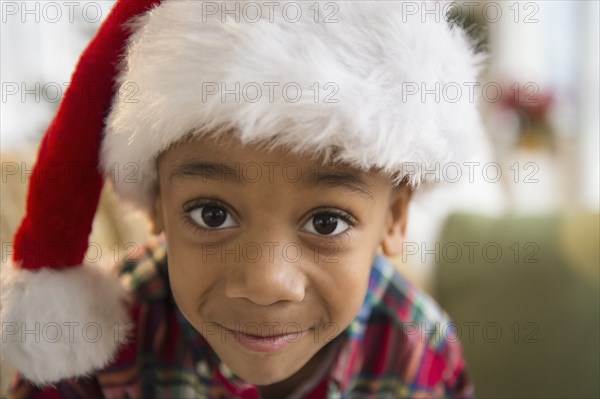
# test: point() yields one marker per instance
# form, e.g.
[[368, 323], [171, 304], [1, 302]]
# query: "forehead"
[[227, 161]]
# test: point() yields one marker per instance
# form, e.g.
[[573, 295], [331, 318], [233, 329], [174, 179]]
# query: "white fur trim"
[[61, 324], [372, 55]]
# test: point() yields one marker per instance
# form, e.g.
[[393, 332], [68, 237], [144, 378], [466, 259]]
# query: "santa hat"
[[348, 76]]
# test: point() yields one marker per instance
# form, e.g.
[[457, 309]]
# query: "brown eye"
[[212, 217], [326, 224]]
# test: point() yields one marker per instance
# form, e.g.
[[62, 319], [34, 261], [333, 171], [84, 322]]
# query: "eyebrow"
[[219, 172], [205, 170], [349, 181]]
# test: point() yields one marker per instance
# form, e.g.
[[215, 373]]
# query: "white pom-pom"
[[58, 324]]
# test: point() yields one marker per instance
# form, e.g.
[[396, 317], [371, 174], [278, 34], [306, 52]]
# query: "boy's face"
[[270, 260]]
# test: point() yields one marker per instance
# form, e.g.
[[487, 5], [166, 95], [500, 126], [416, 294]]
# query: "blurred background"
[[508, 243]]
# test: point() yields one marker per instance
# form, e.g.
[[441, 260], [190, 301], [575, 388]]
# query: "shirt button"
[[225, 371], [202, 369]]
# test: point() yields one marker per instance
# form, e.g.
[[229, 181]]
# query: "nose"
[[272, 276]]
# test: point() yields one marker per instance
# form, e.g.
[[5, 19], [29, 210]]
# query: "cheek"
[[342, 286], [184, 282], [191, 280], [189, 274]]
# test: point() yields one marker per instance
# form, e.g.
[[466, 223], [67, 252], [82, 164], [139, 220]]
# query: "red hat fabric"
[[54, 233], [70, 148]]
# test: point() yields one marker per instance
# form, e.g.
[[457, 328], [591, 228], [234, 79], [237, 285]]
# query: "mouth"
[[263, 343]]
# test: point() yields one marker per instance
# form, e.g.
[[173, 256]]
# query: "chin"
[[262, 379], [257, 375]]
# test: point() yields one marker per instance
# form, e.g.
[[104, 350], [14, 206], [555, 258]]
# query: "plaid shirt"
[[400, 345]]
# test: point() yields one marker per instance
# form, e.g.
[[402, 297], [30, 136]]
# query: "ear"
[[395, 228], [156, 216]]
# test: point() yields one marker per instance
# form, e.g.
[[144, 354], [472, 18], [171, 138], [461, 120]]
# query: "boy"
[[273, 207]]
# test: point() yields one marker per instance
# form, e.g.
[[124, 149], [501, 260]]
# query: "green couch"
[[524, 294]]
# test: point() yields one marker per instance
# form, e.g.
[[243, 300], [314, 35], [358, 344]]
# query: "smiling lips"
[[265, 344]]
